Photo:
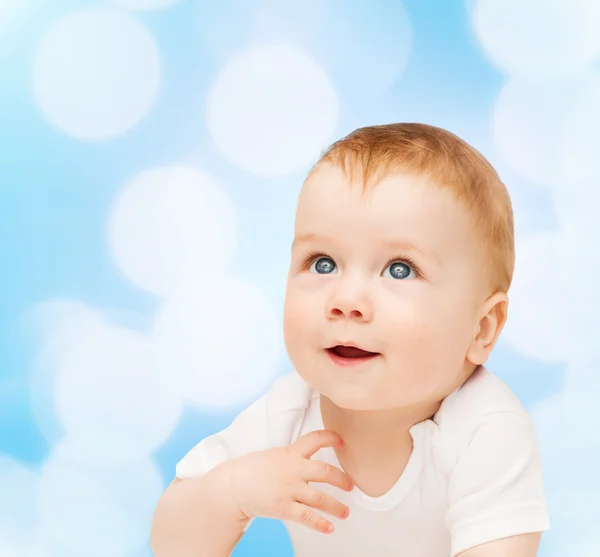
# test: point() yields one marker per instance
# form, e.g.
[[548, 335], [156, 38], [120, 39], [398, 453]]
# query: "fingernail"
[[346, 513], [330, 528]]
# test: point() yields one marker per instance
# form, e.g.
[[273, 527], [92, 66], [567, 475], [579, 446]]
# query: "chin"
[[350, 399]]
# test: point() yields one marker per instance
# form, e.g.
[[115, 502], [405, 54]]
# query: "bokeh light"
[[109, 394], [59, 325], [538, 37], [19, 507], [581, 163], [364, 50], [144, 5], [96, 511], [169, 224], [107, 83], [272, 110], [531, 122], [554, 294], [218, 343]]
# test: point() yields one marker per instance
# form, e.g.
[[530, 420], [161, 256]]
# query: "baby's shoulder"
[[286, 404], [483, 412], [482, 397], [275, 419]]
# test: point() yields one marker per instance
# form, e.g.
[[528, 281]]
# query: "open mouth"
[[349, 355]]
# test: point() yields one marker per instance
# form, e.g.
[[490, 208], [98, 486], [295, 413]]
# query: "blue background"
[[57, 190]]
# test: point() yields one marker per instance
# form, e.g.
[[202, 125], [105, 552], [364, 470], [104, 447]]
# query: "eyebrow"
[[393, 243]]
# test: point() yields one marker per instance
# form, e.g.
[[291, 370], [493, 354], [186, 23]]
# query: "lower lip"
[[349, 362]]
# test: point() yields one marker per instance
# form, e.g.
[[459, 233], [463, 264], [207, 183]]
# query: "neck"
[[374, 428]]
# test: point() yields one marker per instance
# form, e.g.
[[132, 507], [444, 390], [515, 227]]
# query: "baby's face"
[[393, 271]]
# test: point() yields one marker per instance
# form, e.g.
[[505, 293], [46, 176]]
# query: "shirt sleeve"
[[247, 433], [496, 487]]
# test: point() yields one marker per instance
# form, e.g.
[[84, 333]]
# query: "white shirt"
[[474, 474]]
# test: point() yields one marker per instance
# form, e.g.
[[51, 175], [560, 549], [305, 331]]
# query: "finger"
[[307, 517], [321, 501], [310, 443], [319, 471]]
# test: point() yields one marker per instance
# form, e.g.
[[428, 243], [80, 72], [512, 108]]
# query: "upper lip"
[[351, 344]]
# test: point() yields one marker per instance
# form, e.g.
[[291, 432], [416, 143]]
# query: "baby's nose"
[[337, 312], [350, 307]]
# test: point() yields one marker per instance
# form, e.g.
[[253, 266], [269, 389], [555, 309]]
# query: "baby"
[[390, 438]]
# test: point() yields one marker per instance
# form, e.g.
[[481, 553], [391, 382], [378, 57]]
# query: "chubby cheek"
[[298, 319], [426, 350]]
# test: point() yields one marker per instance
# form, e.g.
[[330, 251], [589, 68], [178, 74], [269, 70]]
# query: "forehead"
[[402, 205]]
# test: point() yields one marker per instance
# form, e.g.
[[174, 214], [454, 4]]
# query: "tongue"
[[351, 352]]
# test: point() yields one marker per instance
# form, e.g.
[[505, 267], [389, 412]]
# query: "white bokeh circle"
[[574, 542], [587, 546], [581, 163], [7, 7], [19, 506], [8, 547], [144, 5], [368, 48], [538, 37], [59, 324], [565, 448], [582, 393], [552, 314], [96, 73], [574, 507], [95, 511], [364, 50], [218, 343], [169, 224], [578, 202], [58, 319], [111, 398], [570, 464], [531, 121], [271, 110], [535, 324]]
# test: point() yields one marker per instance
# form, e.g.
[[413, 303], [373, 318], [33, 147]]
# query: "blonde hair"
[[451, 163]]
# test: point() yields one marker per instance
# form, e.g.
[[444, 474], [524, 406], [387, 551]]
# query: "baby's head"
[[404, 247]]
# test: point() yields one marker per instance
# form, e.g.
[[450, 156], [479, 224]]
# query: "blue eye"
[[400, 270], [323, 266]]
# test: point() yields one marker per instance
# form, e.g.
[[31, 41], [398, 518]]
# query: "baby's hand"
[[274, 483]]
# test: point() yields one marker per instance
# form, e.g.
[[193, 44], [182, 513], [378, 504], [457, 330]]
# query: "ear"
[[491, 323]]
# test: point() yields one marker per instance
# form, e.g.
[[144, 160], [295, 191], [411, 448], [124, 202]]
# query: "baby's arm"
[[524, 545], [197, 517], [256, 467]]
